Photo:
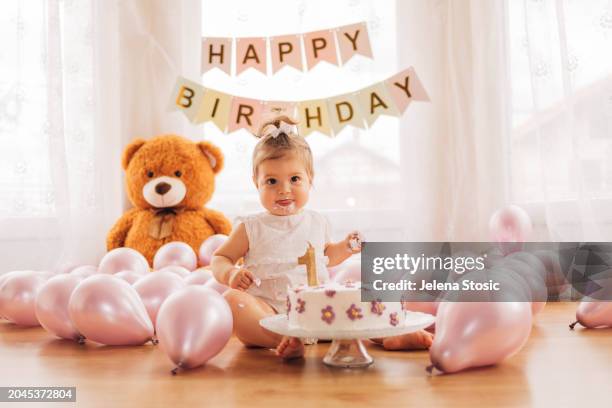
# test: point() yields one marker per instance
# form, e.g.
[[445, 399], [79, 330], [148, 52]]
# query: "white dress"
[[275, 243]]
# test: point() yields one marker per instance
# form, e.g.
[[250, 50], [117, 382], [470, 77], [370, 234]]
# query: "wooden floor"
[[558, 367]]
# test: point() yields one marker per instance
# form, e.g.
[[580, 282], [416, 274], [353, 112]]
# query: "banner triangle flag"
[[245, 113], [186, 97], [405, 87], [345, 110], [272, 109], [353, 39], [286, 51], [215, 107], [251, 53], [320, 46], [375, 101], [313, 116], [216, 53]]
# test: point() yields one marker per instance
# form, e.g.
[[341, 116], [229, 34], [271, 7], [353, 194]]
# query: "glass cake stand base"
[[347, 349], [347, 354]]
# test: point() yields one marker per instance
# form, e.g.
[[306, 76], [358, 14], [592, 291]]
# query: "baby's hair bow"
[[283, 127]]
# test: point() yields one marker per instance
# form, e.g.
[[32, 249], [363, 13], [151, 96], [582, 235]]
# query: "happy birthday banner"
[[328, 116], [286, 50]]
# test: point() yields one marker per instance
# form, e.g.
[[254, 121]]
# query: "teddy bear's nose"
[[162, 188]]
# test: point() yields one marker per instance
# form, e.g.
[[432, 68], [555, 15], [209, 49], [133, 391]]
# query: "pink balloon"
[[475, 334], [131, 276], [52, 305], [594, 314], [508, 248], [3, 278], [556, 282], [198, 277], [349, 271], [176, 269], [531, 269], [193, 325], [123, 259], [510, 226], [108, 310], [18, 297], [175, 253], [155, 288], [7, 275], [216, 286], [84, 271], [208, 248], [492, 257], [65, 267]]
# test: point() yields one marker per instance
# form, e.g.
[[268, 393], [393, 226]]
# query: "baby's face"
[[283, 184]]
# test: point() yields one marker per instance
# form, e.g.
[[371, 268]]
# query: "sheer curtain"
[[521, 113], [455, 158], [79, 79], [109, 67], [562, 116]]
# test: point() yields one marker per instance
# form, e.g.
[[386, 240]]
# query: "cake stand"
[[347, 349]]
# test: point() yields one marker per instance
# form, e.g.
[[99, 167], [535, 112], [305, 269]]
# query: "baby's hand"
[[241, 279], [353, 242]]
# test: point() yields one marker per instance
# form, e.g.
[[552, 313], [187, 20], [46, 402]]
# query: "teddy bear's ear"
[[213, 154], [130, 151]]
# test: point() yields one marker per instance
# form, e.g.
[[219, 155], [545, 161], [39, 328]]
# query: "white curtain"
[[80, 79], [520, 113], [562, 114], [455, 166]]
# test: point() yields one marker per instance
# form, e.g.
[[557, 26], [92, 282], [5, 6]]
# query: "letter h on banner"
[[216, 53]]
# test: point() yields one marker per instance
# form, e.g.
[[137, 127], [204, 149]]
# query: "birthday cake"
[[339, 307]]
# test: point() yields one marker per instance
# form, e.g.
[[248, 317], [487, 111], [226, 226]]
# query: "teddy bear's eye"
[[149, 174], [178, 173]]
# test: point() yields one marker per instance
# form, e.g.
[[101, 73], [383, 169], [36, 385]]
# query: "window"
[[561, 75], [46, 109], [357, 169], [25, 180]]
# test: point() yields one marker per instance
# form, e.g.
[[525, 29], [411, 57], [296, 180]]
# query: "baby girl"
[[270, 242]]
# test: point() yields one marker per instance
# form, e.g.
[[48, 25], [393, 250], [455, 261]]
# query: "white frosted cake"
[[338, 307]]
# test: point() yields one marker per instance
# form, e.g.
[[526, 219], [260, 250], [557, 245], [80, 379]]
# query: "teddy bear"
[[169, 179]]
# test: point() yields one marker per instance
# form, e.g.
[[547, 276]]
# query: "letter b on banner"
[[187, 97]]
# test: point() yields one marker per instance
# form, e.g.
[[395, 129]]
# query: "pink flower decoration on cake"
[[393, 319], [328, 315], [354, 312], [330, 293], [377, 307], [301, 306]]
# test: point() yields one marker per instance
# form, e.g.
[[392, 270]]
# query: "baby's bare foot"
[[420, 340], [289, 348]]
